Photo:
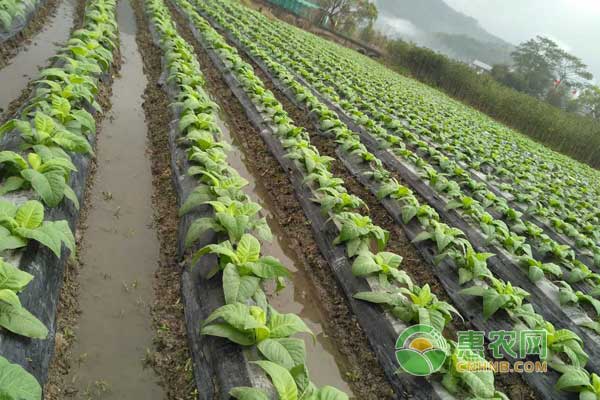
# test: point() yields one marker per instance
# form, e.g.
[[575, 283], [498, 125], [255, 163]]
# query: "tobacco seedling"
[[48, 177], [232, 217], [357, 232], [500, 295], [243, 267], [384, 265], [249, 325], [19, 224]]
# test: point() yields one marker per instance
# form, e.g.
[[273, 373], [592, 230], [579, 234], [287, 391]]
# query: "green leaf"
[[282, 380], [375, 297], [329, 393], [287, 352], [248, 393], [20, 321], [30, 214], [16, 383], [285, 325], [269, 267], [228, 332], [573, 379], [11, 184], [196, 229], [72, 196], [481, 383], [10, 242], [45, 236], [12, 277], [248, 249], [492, 302], [365, 265]]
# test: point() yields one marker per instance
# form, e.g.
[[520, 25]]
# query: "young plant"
[[44, 130], [13, 316], [383, 264], [232, 217], [474, 384], [357, 232], [19, 224], [249, 325], [47, 176], [499, 295], [536, 269], [413, 304], [243, 267], [293, 384]]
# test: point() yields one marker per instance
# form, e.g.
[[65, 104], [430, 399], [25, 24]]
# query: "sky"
[[573, 24]]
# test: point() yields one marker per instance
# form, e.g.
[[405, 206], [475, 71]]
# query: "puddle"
[[121, 250], [325, 363], [25, 65]]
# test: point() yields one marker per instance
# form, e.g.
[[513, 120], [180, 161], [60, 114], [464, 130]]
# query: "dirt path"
[[120, 249]]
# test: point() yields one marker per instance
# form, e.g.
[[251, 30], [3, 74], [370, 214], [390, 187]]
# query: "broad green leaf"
[[365, 265], [248, 393], [285, 325], [20, 321], [287, 352], [248, 249], [12, 277], [16, 383], [228, 332], [30, 214], [573, 379], [282, 380]]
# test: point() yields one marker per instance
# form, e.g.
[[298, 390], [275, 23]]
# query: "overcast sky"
[[573, 24]]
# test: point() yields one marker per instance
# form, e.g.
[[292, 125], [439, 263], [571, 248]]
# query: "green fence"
[[302, 8]]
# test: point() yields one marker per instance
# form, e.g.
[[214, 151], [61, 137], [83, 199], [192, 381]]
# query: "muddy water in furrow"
[[24, 66], [120, 251], [326, 365]]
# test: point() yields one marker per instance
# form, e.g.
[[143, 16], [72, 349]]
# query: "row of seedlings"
[[338, 88], [580, 284], [246, 318], [362, 241], [521, 311], [43, 168], [531, 173]]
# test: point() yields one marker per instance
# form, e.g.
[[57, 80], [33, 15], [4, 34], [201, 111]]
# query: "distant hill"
[[434, 24]]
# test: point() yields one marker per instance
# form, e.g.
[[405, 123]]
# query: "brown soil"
[[171, 356], [68, 311], [367, 378], [37, 22]]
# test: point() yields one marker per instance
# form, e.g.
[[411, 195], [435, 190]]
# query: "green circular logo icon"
[[421, 350]]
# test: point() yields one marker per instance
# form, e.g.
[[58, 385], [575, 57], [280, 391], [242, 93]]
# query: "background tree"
[[589, 102], [348, 15], [548, 70]]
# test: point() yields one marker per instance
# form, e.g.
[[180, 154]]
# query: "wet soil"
[[35, 53], [324, 361], [37, 23], [170, 357], [14, 105], [365, 375], [68, 309], [120, 249]]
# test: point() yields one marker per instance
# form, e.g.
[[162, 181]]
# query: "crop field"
[[201, 201]]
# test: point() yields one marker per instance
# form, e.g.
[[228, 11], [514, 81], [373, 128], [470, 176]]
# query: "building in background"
[[480, 66]]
